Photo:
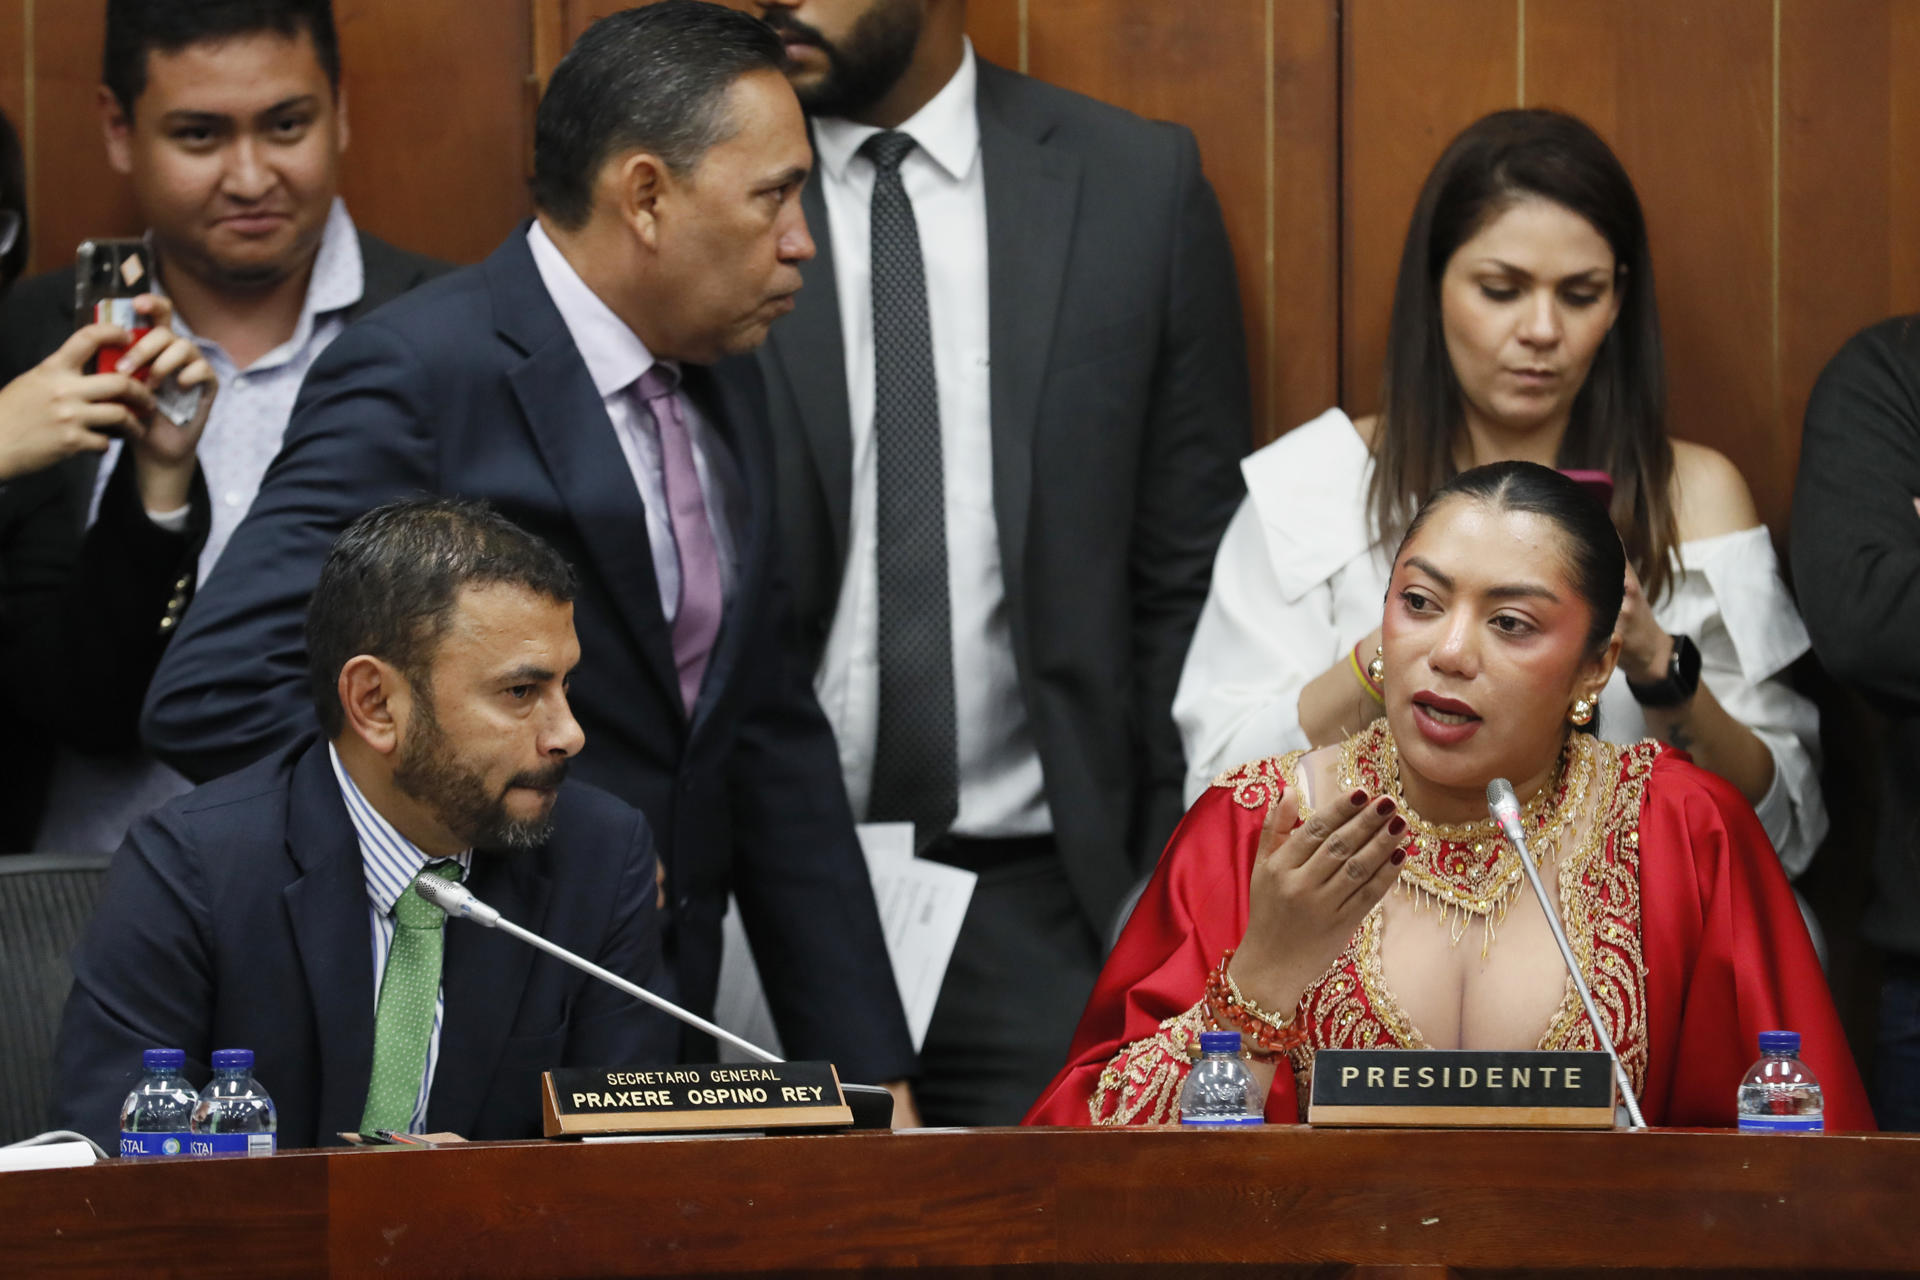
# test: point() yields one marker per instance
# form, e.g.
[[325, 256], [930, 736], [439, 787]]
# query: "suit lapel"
[[484, 974], [575, 439], [1032, 197], [327, 906], [808, 349]]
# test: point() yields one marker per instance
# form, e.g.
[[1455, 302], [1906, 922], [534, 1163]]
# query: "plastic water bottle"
[[1219, 1088], [234, 1115], [1779, 1094], [157, 1115]]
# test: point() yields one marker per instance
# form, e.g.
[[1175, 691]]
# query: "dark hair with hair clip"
[[1596, 562]]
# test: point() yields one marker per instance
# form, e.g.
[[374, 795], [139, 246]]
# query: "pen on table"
[[403, 1139]]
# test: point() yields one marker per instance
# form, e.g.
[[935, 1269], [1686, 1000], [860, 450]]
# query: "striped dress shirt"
[[391, 861]]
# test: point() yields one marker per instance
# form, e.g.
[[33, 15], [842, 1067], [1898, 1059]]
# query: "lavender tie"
[[698, 620]]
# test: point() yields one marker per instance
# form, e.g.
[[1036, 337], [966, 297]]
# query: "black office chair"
[[45, 902]]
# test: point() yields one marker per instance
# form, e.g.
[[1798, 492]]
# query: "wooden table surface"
[[1277, 1201]]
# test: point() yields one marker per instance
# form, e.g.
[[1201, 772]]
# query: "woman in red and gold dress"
[[1357, 896]]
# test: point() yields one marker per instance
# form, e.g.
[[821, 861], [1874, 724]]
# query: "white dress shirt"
[[616, 359], [1002, 791], [1298, 581], [390, 862]]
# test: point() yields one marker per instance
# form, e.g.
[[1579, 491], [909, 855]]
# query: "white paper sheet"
[[921, 905]]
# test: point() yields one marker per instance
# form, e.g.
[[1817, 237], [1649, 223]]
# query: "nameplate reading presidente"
[[1447, 1088], [710, 1095]]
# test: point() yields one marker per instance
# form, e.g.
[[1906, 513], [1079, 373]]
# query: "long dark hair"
[[1618, 422]]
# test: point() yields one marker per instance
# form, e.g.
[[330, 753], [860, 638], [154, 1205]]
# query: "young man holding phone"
[[228, 120]]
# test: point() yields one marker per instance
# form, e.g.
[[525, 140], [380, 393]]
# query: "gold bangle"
[[1253, 1010]]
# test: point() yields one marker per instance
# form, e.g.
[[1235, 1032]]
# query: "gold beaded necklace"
[[1469, 869]]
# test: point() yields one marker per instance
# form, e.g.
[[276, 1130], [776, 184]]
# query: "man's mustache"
[[541, 779]]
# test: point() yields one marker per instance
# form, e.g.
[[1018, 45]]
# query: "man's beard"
[[863, 67], [428, 770]]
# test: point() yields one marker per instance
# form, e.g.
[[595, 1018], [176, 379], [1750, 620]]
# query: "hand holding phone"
[[114, 282]]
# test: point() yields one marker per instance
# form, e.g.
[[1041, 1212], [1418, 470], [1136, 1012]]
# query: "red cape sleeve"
[[1727, 957], [1193, 909]]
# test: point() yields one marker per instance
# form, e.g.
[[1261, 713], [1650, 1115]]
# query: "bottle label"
[[1782, 1124], [140, 1145], [1215, 1121], [230, 1144]]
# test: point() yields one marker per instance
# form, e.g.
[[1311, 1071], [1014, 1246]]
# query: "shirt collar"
[[339, 274], [339, 280], [947, 128], [390, 860], [614, 354]]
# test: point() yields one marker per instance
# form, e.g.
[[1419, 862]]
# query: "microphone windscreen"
[[443, 894], [1500, 798]]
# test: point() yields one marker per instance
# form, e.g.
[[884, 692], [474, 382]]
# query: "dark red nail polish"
[[1385, 806], [1398, 825], [1358, 798], [1399, 856]]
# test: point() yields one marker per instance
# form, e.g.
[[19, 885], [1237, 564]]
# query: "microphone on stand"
[[458, 901], [1504, 806]]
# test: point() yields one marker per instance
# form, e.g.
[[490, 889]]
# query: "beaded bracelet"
[[1269, 1033]]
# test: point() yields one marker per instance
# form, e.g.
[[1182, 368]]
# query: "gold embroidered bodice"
[[1595, 843]]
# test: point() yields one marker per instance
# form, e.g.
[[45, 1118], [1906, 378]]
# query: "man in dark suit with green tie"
[[272, 910]]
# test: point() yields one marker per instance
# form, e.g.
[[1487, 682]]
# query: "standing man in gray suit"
[[1007, 412]]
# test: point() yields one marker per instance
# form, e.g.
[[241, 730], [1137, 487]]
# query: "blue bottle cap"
[[1787, 1042], [163, 1059], [1219, 1042], [233, 1059]]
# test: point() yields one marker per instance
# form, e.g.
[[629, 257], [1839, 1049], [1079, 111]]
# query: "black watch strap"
[[1680, 683]]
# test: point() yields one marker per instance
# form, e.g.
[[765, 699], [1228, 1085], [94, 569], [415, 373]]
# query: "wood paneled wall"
[[1771, 141]]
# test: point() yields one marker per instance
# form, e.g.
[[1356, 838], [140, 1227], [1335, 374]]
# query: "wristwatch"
[[1680, 683]]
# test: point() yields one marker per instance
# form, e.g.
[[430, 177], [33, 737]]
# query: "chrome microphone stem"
[[638, 992], [1519, 841], [457, 900]]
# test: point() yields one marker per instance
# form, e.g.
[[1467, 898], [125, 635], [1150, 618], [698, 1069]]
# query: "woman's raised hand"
[[1645, 649], [1313, 882]]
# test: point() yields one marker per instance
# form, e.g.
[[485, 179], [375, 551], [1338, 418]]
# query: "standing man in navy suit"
[[272, 910], [1008, 411], [592, 380]]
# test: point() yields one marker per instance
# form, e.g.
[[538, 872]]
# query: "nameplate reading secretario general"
[[1446, 1088], [711, 1095]]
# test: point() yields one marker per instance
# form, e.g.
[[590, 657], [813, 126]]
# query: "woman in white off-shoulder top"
[[1523, 326]]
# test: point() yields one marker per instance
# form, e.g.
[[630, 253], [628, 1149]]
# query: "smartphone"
[[108, 275]]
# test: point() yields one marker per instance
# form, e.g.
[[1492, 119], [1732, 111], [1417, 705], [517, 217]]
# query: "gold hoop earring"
[[1582, 713], [1377, 669]]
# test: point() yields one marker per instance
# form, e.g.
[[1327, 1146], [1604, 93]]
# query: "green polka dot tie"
[[403, 1020]]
